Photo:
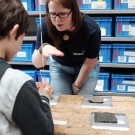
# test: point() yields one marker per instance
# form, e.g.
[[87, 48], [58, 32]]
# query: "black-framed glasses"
[[61, 15]]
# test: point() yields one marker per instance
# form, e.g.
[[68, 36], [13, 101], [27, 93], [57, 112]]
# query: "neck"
[[70, 29], [2, 54], [2, 48]]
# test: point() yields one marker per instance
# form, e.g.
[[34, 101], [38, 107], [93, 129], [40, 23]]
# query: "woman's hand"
[[75, 89], [45, 89], [49, 50]]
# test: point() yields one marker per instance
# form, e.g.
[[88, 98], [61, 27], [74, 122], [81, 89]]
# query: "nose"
[[57, 18]]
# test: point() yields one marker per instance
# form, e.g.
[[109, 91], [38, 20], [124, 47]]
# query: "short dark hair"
[[12, 12], [76, 19]]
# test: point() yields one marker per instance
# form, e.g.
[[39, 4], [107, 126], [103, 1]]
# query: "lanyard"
[[40, 20], [43, 80]]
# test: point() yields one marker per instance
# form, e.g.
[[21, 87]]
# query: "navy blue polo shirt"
[[84, 43]]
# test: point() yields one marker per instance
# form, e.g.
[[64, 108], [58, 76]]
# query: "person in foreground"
[[72, 40], [23, 111]]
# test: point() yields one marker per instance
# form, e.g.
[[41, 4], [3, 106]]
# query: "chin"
[[60, 29]]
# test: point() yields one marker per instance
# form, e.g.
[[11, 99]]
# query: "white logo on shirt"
[[81, 53], [77, 53]]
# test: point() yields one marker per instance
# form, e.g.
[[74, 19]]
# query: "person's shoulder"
[[17, 75], [42, 22], [11, 83], [90, 22], [88, 19]]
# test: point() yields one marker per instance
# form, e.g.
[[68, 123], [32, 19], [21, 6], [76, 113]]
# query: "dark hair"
[[12, 12], [76, 19]]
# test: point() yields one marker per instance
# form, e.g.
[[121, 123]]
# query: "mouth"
[[59, 25]]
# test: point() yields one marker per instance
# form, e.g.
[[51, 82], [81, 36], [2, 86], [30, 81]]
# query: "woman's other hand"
[[49, 50], [75, 89]]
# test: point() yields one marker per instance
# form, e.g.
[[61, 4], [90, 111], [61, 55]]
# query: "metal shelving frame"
[[123, 39], [112, 11], [111, 65]]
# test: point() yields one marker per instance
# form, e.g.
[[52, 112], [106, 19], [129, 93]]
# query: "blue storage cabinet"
[[31, 73], [125, 26], [123, 53], [124, 4], [40, 5], [122, 83], [25, 53], [28, 4], [105, 24], [43, 75], [103, 82], [94, 4], [105, 53]]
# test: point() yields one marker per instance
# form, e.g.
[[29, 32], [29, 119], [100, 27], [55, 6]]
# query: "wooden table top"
[[69, 109]]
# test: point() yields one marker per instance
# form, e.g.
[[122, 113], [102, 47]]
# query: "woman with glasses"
[[72, 41]]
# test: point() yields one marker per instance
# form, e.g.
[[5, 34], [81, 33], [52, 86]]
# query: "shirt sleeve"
[[31, 112], [45, 36]]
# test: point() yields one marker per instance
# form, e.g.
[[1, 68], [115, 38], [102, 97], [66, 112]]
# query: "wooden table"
[[78, 119]]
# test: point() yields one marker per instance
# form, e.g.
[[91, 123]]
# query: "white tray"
[[107, 103], [121, 125]]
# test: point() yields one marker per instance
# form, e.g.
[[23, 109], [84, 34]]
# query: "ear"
[[12, 33]]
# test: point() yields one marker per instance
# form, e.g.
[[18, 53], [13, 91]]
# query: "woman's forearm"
[[38, 59], [85, 70]]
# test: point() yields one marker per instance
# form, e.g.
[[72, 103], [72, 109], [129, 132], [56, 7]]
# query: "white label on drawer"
[[121, 58], [129, 53], [21, 54], [131, 59], [42, 2], [131, 89], [131, 0], [131, 4], [100, 85], [25, 5], [126, 27], [121, 87], [98, 5], [124, 1], [132, 31], [86, 1], [128, 82], [103, 31], [101, 58]]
